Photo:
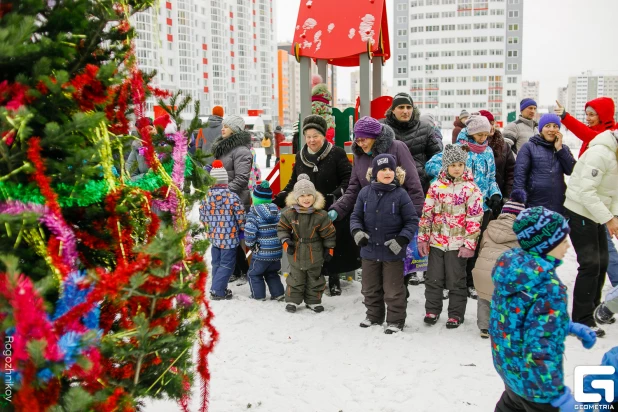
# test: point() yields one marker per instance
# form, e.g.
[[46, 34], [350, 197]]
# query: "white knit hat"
[[219, 173], [477, 124], [235, 123]]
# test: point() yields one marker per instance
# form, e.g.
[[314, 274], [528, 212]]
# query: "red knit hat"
[[218, 111], [487, 114], [166, 123]]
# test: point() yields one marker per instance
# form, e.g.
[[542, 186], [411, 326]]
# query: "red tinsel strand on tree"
[[89, 91], [184, 401], [25, 400], [206, 347]]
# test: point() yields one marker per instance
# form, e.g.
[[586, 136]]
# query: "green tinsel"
[[84, 195]]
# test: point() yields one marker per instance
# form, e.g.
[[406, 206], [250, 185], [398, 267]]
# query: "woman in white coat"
[[591, 204]]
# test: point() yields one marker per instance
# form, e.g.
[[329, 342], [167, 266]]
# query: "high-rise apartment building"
[[586, 87], [221, 52], [459, 54], [530, 90], [562, 95], [289, 84]]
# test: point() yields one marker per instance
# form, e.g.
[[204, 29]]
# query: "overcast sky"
[[562, 38]]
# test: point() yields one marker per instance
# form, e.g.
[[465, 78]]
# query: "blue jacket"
[[528, 324], [383, 212], [261, 232], [482, 166], [540, 170], [223, 213]]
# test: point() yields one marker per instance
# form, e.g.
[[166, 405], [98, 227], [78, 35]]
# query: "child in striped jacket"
[[261, 237]]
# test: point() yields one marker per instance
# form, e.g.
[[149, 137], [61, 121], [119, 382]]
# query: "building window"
[[401, 7], [512, 67], [401, 82], [513, 40], [497, 12], [513, 27], [417, 29], [448, 2], [402, 45], [512, 53], [415, 3], [432, 28], [402, 70], [402, 57], [447, 14], [512, 93], [513, 14], [434, 15], [401, 19]]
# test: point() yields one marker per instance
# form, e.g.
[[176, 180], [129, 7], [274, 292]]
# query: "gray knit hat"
[[464, 114], [219, 173], [304, 186], [235, 123], [454, 153], [313, 121], [478, 124]]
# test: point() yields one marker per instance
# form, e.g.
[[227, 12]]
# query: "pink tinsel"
[[179, 154], [55, 225]]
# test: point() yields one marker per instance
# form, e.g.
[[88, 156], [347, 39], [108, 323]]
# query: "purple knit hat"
[[368, 128]]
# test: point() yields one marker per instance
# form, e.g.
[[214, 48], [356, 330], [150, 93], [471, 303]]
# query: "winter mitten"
[[361, 238], [393, 246], [328, 255], [465, 253], [583, 333], [332, 215], [289, 247], [565, 402], [493, 202], [423, 248], [279, 200]]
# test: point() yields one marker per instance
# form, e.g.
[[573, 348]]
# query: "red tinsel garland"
[[89, 91]]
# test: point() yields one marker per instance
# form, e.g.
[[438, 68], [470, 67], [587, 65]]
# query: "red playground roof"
[[340, 30]]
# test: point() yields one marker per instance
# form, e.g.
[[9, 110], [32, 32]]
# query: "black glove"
[[279, 200], [402, 241], [493, 202], [328, 255], [289, 247]]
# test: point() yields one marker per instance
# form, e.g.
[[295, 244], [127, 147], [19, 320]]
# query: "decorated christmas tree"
[[101, 284]]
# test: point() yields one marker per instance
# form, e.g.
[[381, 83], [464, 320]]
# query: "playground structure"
[[344, 33]]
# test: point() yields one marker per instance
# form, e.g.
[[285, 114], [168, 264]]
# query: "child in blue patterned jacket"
[[529, 317], [261, 237], [223, 213]]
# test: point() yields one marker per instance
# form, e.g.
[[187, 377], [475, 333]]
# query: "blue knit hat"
[[526, 103], [262, 193], [540, 230], [549, 118]]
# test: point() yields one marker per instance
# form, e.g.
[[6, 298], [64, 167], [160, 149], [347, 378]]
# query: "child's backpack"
[[266, 142]]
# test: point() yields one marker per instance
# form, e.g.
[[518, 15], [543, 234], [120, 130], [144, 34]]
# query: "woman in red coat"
[[599, 116]]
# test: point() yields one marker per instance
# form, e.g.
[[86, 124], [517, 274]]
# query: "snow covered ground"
[[273, 361]]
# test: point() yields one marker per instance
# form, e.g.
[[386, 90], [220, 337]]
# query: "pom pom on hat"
[[262, 193], [218, 111], [219, 173], [166, 123], [304, 186], [316, 79]]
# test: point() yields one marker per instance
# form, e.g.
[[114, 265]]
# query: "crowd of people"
[[491, 212]]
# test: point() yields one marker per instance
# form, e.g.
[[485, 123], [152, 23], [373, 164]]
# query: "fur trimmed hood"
[[222, 146], [382, 143], [319, 203], [400, 175]]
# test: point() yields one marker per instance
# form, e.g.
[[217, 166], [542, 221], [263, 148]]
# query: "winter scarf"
[[475, 147], [222, 146], [304, 210], [312, 160]]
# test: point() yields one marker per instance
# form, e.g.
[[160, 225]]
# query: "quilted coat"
[[540, 170], [528, 324], [482, 166], [223, 213], [236, 156], [497, 239], [261, 232], [384, 212], [452, 213], [592, 190]]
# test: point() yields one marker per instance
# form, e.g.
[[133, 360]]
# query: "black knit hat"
[[402, 98], [316, 122]]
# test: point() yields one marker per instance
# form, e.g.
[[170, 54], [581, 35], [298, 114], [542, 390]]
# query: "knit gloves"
[[361, 238], [583, 333], [332, 215], [465, 253], [397, 244]]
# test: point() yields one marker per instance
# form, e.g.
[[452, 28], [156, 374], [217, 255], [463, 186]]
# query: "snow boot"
[[484, 334], [393, 327], [444, 294], [334, 285], [600, 332], [233, 278], [603, 315], [291, 307], [454, 322], [278, 298], [416, 280], [368, 323], [472, 293], [227, 296], [431, 319], [316, 308], [242, 279]]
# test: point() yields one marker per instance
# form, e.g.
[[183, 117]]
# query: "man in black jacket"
[[404, 118]]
